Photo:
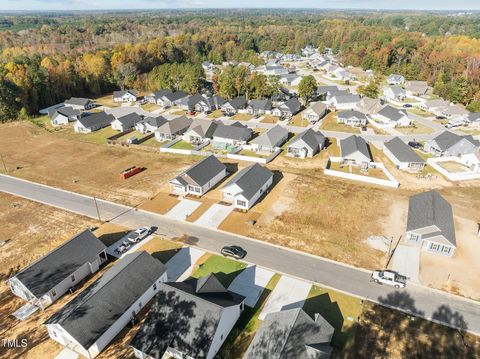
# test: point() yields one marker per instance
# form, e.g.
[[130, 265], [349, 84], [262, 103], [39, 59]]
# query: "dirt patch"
[[161, 203], [206, 204]]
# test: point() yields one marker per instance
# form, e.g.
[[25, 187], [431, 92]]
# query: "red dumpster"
[[129, 172]]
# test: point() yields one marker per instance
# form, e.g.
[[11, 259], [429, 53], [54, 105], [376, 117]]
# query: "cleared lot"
[[183, 209]]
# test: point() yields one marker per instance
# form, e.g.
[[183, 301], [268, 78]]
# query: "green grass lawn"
[[182, 145], [249, 153], [245, 328], [153, 142], [340, 310], [225, 269]]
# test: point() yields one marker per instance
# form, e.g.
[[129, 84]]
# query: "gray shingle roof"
[[402, 151], [261, 104], [176, 125], [353, 144], [430, 209], [293, 105], [94, 310], [174, 96], [347, 98], [154, 121], [447, 139], [251, 179], [271, 137], [65, 111], [233, 132], [97, 118], [160, 93], [238, 102], [44, 274], [312, 138], [130, 120], [123, 92], [203, 128], [392, 113], [291, 334], [202, 172], [318, 107], [351, 113], [184, 316], [474, 116], [78, 101]]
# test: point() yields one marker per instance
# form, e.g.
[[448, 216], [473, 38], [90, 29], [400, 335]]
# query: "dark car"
[[407, 105], [234, 251], [440, 118], [415, 144]]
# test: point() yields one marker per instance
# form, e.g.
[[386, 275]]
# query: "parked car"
[[415, 144], [407, 105], [139, 234], [440, 117], [236, 252], [389, 277]]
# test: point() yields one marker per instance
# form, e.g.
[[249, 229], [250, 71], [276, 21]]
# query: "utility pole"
[[96, 207], [4, 165]]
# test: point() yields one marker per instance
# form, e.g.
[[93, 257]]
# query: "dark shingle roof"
[[78, 101], [447, 139], [293, 105], [123, 92], [347, 98], [271, 137], [173, 96], [251, 179], [130, 120], [97, 118], [402, 151], [392, 113], [203, 128], [45, 273], [238, 102], [202, 172], [291, 334], [261, 104], [233, 132], [311, 138], [65, 111], [352, 113], [176, 125], [430, 209], [353, 144], [184, 316], [160, 93], [155, 121], [94, 310]]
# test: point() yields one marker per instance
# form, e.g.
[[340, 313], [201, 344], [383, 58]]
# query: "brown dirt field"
[[161, 203], [206, 204], [109, 233], [161, 249], [85, 168]]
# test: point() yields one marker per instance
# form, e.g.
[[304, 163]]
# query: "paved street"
[[431, 304]]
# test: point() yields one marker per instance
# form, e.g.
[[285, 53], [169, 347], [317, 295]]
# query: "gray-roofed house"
[[48, 278], [352, 118], [199, 178], [125, 96], [231, 107], [450, 144], [369, 105], [126, 122], [403, 156], [63, 115], [292, 333], [156, 96], [150, 124], [395, 79], [80, 103], [270, 139], [434, 106], [188, 103], [354, 150], [430, 223], [344, 102], [231, 135], [393, 117], [306, 144], [169, 99], [396, 93], [290, 79], [189, 319], [454, 111], [173, 128], [473, 119], [325, 93], [93, 122], [288, 109], [314, 112], [248, 185], [209, 104], [200, 131], [259, 107], [417, 88], [89, 322]]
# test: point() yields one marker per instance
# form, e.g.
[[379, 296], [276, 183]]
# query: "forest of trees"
[[47, 58]]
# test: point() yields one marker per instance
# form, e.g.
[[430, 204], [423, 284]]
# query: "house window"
[[140, 304], [72, 277], [53, 292], [446, 249], [154, 286], [241, 203], [434, 246]]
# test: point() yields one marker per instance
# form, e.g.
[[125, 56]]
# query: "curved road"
[[421, 301]]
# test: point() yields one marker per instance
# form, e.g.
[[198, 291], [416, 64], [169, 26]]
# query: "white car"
[[139, 234], [389, 277]]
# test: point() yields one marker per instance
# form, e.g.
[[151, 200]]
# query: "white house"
[[394, 79], [64, 115], [150, 124], [393, 117], [395, 93], [125, 96], [403, 156], [93, 122], [199, 178], [306, 144], [354, 150], [188, 320], [352, 118], [89, 322], [472, 160], [435, 106], [126, 122], [80, 103], [48, 278], [344, 102], [200, 131], [315, 112], [417, 88], [248, 185], [450, 144], [270, 139], [231, 135], [173, 128]]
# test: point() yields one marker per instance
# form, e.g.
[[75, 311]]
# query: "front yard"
[[241, 117], [371, 172], [329, 123], [416, 128], [297, 120], [215, 114], [419, 112], [269, 119], [224, 269]]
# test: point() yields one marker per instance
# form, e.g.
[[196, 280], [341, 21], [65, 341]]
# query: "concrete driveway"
[[67, 354], [251, 283], [289, 293], [180, 266], [215, 215], [406, 261], [25, 311], [183, 209]]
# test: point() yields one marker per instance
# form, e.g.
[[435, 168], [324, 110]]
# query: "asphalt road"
[[434, 305]]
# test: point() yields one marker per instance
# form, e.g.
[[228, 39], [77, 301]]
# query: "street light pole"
[[96, 207]]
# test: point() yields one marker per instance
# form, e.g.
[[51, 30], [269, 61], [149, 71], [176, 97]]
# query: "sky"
[[171, 4]]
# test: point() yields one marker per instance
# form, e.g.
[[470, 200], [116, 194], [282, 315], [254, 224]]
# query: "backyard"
[[356, 170]]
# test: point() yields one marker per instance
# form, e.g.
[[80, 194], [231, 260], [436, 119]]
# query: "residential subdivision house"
[[450, 144], [314, 112], [393, 117], [430, 223], [472, 161], [417, 88], [352, 118], [354, 150], [292, 333], [169, 99], [434, 106], [150, 124], [369, 105], [270, 140], [306, 144], [188, 320], [234, 135], [344, 102], [200, 131], [326, 93], [290, 80], [155, 97], [126, 122], [259, 107], [403, 156], [394, 93], [125, 96], [189, 103], [63, 115], [232, 107], [93, 122], [394, 79], [288, 109], [473, 119], [454, 111], [89, 322], [173, 128], [80, 103], [48, 278], [209, 104], [199, 178], [247, 186]]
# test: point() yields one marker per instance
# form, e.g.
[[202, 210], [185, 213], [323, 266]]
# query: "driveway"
[[67, 354], [289, 293], [25, 311], [214, 215], [182, 210], [180, 266], [251, 283], [406, 261]]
